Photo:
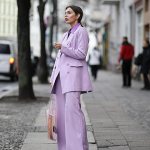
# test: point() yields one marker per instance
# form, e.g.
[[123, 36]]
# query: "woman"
[[94, 61], [145, 64], [69, 79]]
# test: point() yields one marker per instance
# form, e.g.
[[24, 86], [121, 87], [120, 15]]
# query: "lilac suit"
[[70, 78]]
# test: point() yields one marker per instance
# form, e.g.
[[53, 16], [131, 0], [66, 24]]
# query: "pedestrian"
[[126, 56], [69, 79], [94, 61], [145, 64]]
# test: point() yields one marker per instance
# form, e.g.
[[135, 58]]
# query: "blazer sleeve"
[[82, 46], [52, 74]]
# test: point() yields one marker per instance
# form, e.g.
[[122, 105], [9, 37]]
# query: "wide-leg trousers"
[[71, 127]]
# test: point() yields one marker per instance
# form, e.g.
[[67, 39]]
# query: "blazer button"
[[55, 67]]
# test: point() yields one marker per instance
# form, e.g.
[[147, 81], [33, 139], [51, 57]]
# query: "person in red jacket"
[[126, 56]]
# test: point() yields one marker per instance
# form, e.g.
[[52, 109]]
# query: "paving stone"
[[49, 147], [132, 127], [125, 123], [103, 143], [41, 137], [38, 138], [107, 132], [39, 147], [103, 124], [92, 147], [140, 143], [108, 143], [40, 129], [139, 148], [118, 142], [117, 117], [136, 137], [103, 149], [119, 148], [108, 137]]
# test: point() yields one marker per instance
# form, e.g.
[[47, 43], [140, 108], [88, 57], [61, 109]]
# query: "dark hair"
[[125, 41], [77, 11], [125, 38]]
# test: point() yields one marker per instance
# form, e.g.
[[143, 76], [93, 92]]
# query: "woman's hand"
[[57, 45]]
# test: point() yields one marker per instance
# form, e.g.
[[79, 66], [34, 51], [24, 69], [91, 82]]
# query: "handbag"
[[138, 60], [51, 121]]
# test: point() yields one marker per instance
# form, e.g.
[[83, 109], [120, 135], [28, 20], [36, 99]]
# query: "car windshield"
[[4, 49]]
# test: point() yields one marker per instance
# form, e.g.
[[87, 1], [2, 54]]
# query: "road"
[[6, 85]]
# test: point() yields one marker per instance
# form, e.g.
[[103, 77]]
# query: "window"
[[7, 8], [139, 32], [2, 8], [4, 49], [146, 5]]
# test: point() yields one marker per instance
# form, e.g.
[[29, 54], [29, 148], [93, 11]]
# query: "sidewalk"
[[119, 116]]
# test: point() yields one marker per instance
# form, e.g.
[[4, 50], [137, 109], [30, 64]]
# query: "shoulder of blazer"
[[81, 29], [82, 32]]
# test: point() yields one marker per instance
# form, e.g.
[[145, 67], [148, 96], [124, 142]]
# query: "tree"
[[42, 70], [54, 23], [24, 53]]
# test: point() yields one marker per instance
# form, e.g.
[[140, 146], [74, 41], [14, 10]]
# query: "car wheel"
[[12, 78]]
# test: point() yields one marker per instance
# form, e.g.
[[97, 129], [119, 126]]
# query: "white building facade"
[[126, 19], [8, 18]]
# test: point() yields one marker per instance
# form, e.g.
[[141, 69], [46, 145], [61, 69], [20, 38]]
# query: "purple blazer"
[[70, 63]]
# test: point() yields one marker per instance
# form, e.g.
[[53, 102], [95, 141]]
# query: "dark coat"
[[138, 60], [145, 65]]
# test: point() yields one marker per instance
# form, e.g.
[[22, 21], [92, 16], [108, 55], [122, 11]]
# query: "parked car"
[[8, 65]]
